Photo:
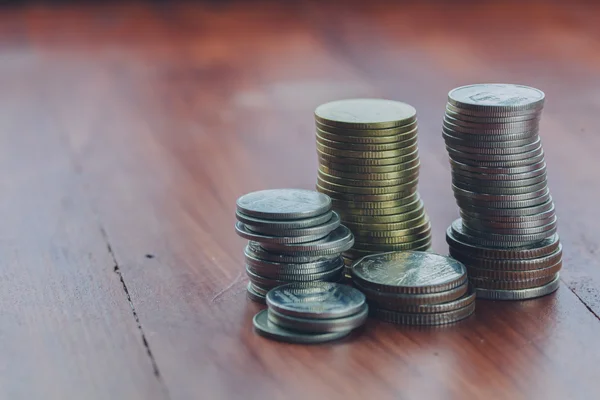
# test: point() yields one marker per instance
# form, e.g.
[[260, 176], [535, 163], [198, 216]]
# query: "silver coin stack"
[[311, 312], [294, 236], [506, 235], [414, 287], [369, 166]]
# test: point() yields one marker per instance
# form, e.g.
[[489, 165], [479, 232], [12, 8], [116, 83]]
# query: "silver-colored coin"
[[459, 143], [500, 264], [485, 283], [531, 251], [490, 131], [243, 231], [283, 224], [338, 241], [318, 325], [267, 268], [460, 180], [295, 272], [409, 272], [365, 114], [539, 214], [509, 275], [253, 249], [498, 164], [491, 240], [392, 301], [495, 157], [490, 233], [284, 204], [494, 98], [496, 117], [487, 139], [452, 305], [264, 327], [254, 295], [265, 282], [465, 147], [318, 230], [478, 196], [317, 300], [492, 213], [528, 124], [521, 294], [481, 205], [484, 224], [502, 191], [442, 318], [469, 170]]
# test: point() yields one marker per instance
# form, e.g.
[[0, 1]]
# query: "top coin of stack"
[[294, 237], [369, 166], [507, 232]]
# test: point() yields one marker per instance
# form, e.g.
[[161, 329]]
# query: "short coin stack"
[[507, 232], [294, 237], [414, 287], [311, 312], [369, 166]]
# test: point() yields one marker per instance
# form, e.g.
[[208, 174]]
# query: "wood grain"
[[154, 119]]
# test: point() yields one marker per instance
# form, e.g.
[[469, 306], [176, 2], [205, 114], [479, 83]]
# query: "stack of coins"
[[293, 237], [414, 287], [507, 232], [311, 312], [369, 166]]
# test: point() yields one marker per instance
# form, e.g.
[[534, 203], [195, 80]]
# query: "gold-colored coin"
[[366, 164], [366, 154], [373, 205], [356, 254], [347, 138], [367, 197], [409, 177], [412, 170], [358, 227], [365, 190], [379, 211], [373, 222], [383, 247], [365, 114], [372, 133], [366, 146], [409, 161], [393, 240], [423, 226]]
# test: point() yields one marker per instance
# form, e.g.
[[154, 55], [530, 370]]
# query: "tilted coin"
[[527, 124], [476, 195], [409, 272], [508, 264], [499, 164], [454, 141], [496, 157], [505, 275], [499, 240], [493, 117], [411, 170], [485, 184], [442, 318], [318, 230], [320, 325], [509, 133], [522, 294], [465, 147], [283, 204], [254, 295], [497, 98], [244, 232], [348, 165], [541, 249], [510, 284], [366, 190], [365, 114], [264, 327], [346, 136], [481, 206], [284, 224], [253, 249], [366, 146], [469, 170], [316, 300], [392, 301], [332, 151], [408, 177], [375, 205], [409, 190], [338, 241], [499, 190]]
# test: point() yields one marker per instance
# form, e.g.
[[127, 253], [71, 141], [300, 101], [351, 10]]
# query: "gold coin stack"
[[369, 166]]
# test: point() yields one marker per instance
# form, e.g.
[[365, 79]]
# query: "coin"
[[489, 233], [367, 146], [453, 141], [418, 227], [368, 133], [365, 114], [486, 119], [379, 247], [267, 282], [371, 155], [498, 164], [345, 136], [319, 325], [411, 170], [491, 240], [374, 221], [459, 303], [409, 190], [527, 124], [338, 241], [421, 218], [264, 327], [254, 295], [355, 253], [317, 300], [393, 301], [283, 204], [409, 177], [501, 190], [253, 249], [507, 275], [347, 165], [495, 157], [506, 115], [375, 205], [465, 147], [294, 272], [511, 284], [319, 230], [497, 99], [441, 318], [244, 232], [510, 264], [409, 272], [521, 294], [366, 190], [283, 224]]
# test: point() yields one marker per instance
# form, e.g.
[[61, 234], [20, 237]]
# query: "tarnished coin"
[[497, 99], [279, 225], [509, 264], [379, 212], [365, 114], [264, 327], [409, 272], [317, 300], [388, 226], [441, 318], [418, 227], [283, 204], [356, 254], [522, 294], [254, 295], [244, 232], [338, 241], [540, 249], [318, 230], [320, 325]]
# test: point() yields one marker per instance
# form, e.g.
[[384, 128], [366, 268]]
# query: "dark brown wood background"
[[128, 131]]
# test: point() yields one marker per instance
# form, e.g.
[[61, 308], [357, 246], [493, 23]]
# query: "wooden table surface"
[[128, 131]]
